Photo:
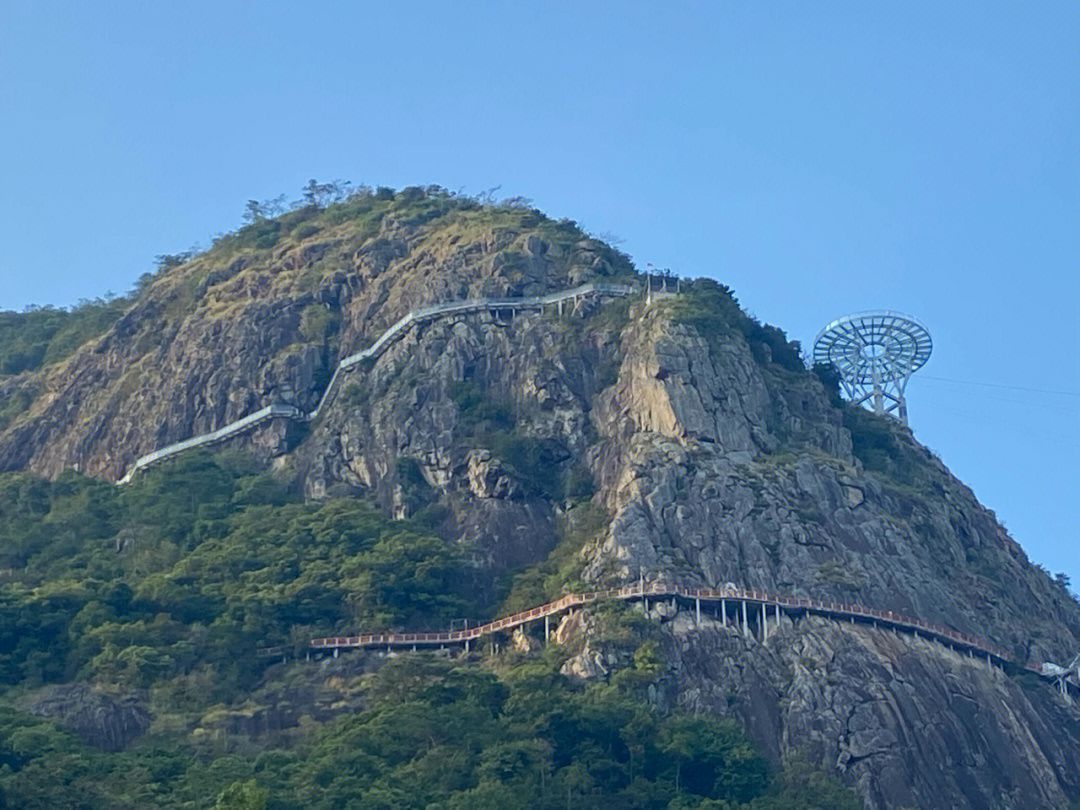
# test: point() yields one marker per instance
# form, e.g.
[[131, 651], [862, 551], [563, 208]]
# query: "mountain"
[[483, 461]]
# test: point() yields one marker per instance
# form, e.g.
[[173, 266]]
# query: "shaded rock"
[[100, 719]]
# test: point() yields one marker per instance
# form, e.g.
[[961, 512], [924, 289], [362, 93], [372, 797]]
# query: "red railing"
[[817, 606], [763, 598]]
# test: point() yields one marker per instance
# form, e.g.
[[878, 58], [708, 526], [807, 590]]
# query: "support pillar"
[[336, 651], [697, 610], [466, 645], [745, 621], [764, 623], [547, 629], [723, 612]]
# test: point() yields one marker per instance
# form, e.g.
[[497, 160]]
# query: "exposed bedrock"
[[103, 720], [710, 463]]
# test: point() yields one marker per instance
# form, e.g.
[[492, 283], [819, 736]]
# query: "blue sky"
[[820, 158]]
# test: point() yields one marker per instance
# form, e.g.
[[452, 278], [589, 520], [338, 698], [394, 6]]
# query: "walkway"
[[385, 340], [748, 609]]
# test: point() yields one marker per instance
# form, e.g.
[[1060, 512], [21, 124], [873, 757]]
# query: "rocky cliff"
[[672, 439]]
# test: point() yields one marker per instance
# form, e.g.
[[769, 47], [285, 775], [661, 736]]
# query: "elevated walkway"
[[749, 610], [414, 318]]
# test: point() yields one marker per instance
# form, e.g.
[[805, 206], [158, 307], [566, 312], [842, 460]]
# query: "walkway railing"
[[381, 344], [761, 600]]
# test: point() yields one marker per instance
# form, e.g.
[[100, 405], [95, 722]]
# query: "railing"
[[889, 618], [381, 344]]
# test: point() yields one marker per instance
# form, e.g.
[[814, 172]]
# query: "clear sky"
[[820, 158]]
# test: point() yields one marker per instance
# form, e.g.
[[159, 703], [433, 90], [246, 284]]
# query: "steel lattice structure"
[[875, 354]]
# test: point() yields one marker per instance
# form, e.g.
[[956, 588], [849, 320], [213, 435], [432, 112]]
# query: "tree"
[[242, 796], [253, 211], [320, 195], [164, 261]]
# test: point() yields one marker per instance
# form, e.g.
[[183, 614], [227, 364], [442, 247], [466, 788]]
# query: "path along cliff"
[[679, 438]]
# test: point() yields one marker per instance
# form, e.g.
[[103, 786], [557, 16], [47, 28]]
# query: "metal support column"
[[723, 612], [547, 629], [697, 609], [745, 621], [764, 623]]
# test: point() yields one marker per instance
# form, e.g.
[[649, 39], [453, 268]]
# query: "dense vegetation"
[[435, 735], [200, 562], [39, 336], [168, 587], [162, 593]]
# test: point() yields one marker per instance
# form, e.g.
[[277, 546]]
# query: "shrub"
[[317, 323], [41, 336], [304, 230], [477, 409], [875, 444], [15, 403], [712, 309], [830, 378], [262, 234]]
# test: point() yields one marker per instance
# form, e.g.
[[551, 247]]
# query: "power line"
[[998, 385], [1001, 397], [1027, 431]]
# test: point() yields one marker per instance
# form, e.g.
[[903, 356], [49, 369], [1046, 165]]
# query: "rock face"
[[908, 722], [102, 720], [713, 460]]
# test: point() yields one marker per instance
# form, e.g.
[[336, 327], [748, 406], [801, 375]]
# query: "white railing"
[[381, 344]]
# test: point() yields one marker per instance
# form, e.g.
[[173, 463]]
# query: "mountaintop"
[[487, 462]]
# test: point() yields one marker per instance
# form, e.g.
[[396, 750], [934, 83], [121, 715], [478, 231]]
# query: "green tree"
[[242, 796]]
